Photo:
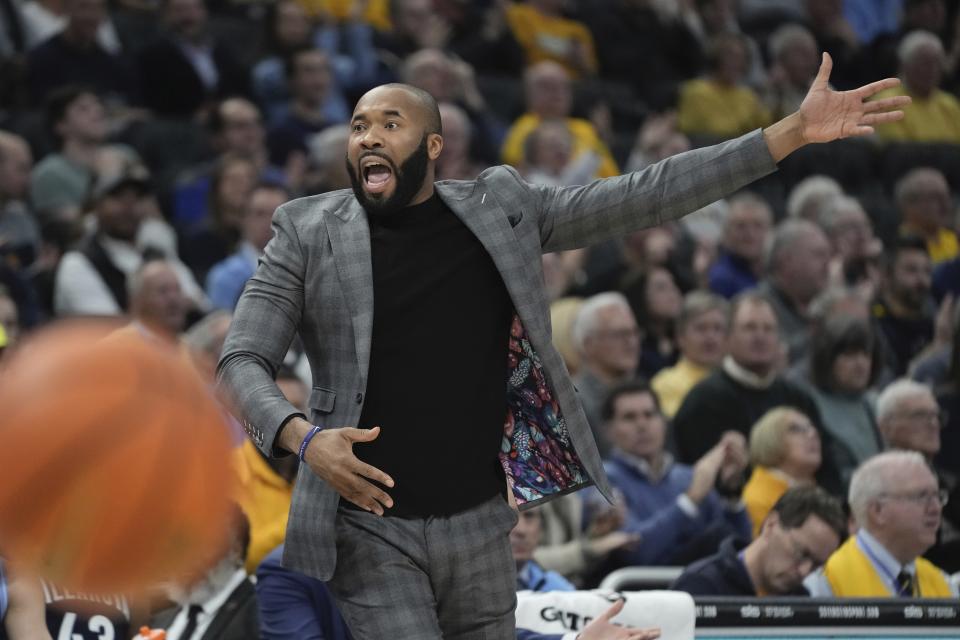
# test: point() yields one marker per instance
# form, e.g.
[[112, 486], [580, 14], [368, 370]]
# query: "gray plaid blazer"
[[315, 279]]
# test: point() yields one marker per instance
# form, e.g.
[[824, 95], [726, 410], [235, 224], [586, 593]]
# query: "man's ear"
[[771, 522], [434, 145]]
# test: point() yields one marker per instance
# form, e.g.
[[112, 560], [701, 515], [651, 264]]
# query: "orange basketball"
[[114, 460]]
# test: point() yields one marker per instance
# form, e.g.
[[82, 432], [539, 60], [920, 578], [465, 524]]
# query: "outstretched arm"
[[827, 115], [573, 217]]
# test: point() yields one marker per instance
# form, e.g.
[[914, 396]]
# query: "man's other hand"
[[603, 629]]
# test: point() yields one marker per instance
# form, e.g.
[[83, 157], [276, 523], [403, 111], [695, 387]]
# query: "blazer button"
[[359, 398]]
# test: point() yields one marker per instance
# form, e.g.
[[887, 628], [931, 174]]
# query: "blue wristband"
[[306, 441]]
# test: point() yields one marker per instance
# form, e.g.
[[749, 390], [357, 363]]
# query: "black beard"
[[409, 180]]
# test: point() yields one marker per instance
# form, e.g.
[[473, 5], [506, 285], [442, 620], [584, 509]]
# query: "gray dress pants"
[[427, 578]]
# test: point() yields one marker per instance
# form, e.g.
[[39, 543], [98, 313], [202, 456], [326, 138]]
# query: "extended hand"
[[827, 115], [330, 456], [603, 629]]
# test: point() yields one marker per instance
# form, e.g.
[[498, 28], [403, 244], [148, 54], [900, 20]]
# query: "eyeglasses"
[[800, 554], [621, 335], [922, 498], [926, 416]]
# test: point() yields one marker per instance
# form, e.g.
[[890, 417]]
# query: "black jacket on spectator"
[[237, 619], [113, 278], [172, 88], [722, 574], [57, 63]]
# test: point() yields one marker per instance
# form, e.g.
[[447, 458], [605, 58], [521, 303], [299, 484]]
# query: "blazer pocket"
[[322, 400]]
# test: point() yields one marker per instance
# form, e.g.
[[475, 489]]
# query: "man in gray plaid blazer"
[[409, 296]]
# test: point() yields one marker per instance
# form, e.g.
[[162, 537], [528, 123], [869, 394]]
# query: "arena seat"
[[641, 578]]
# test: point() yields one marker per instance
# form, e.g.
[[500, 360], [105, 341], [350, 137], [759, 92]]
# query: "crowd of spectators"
[[748, 371]]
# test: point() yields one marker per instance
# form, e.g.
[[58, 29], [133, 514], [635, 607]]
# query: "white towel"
[[570, 611]]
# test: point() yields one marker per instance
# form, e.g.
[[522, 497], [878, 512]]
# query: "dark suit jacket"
[[56, 63], [237, 619], [172, 88]]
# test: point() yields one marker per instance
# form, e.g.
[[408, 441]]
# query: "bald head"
[[156, 298], [395, 140], [427, 110]]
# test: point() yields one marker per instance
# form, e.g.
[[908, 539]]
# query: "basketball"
[[114, 464]]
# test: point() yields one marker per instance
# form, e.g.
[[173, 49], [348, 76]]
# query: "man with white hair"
[[158, 305], [934, 115], [809, 196], [848, 228], [798, 267], [910, 418], [897, 506], [606, 334], [856, 250]]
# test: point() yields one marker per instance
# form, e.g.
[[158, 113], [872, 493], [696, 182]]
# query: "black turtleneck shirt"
[[438, 362]]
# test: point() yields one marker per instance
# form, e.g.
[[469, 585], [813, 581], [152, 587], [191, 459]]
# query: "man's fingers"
[[368, 496], [648, 634], [823, 76], [361, 435], [371, 472], [859, 130], [887, 104], [879, 118], [875, 87], [612, 611]]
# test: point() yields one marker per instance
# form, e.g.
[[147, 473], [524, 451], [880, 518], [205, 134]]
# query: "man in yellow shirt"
[[550, 97], [545, 34], [934, 115], [701, 336], [923, 199], [897, 505], [718, 105]]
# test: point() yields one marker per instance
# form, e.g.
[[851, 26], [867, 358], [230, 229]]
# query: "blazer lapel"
[[482, 213], [350, 239]]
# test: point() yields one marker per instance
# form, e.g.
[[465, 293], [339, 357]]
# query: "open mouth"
[[376, 175]]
